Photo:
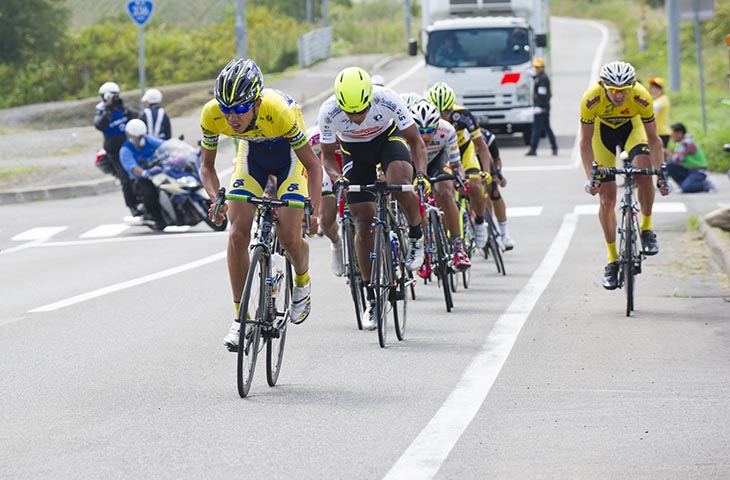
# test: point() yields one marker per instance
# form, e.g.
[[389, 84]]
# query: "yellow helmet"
[[442, 96], [353, 89]]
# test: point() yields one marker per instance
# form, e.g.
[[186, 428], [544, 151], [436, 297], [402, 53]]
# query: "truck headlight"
[[523, 94]]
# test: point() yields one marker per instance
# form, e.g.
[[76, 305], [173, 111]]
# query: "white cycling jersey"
[[386, 108], [444, 140]]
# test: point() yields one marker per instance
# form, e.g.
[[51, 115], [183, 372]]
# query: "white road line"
[[659, 207], [105, 230], [128, 284], [38, 233], [425, 455], [538, 168], [523, 212]]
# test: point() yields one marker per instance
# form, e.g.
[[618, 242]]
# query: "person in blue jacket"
[[111, 117], [135, 156]]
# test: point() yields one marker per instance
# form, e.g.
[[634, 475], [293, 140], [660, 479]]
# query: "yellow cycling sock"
[[646, 223], [237, 306], [301, 280], [612, 252]]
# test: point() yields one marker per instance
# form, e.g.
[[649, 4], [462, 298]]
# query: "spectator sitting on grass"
[[687, 164]]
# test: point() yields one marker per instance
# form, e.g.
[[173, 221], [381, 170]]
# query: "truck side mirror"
[[541, 40], [412, 47]]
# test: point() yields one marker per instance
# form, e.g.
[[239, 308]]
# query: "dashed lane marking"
[[105, 230], [38, 233], [660, 207]]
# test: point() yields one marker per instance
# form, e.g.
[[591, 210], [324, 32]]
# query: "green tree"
[[30, 28]]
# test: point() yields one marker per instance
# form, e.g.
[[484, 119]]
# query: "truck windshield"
[[479, 47]]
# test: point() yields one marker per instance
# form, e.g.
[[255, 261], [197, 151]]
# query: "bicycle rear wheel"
[[443, 269], [250, 314], [352, 267], [275, 336], [493, 244], [380, 280], [399, 294], [469, 236]]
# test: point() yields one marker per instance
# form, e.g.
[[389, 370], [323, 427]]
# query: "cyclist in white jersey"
[[442, 149], [374, 126]]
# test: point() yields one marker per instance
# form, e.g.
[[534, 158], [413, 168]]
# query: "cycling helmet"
[[353, 89], [108, 90], [442, 96], [425, 113], [411, 98], [240, 82], [152, 96], [618, 73], [136, 130]]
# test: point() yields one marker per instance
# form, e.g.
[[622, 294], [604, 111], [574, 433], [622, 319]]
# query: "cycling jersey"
[[444, 141], [386, 108], [467, 129], [596, 105], [279, 119]]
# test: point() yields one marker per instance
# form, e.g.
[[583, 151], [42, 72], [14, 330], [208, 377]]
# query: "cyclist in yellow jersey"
[[471, 143], [273, 141], [617, 113]]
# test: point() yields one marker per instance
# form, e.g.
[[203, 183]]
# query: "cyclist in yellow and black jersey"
[[617, 114], [274, 142], [471, 143]]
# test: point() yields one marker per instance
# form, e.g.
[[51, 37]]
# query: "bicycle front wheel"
[[469, 238], [628, 267], [399, 294], [380, 280], [493, 244], [276, 335], [250, 315], [443, 270]]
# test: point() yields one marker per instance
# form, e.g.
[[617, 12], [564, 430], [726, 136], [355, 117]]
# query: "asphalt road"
[[112, 365]]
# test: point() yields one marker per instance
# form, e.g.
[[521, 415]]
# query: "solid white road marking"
[[105, 230], [38, 233], [129, 284], [660, 207], [424, 456]]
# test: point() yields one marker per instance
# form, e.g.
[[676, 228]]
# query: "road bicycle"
[[264, 311], [352, 274], [494, 246], [631, 253], [438, 251], [389, 277]]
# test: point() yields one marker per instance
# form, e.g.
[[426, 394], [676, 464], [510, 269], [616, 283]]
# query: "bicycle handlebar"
[[628, 170], [381, 187], [305, 204]]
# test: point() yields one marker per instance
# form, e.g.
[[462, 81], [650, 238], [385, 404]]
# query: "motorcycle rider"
[[135, 156], [111, 117]]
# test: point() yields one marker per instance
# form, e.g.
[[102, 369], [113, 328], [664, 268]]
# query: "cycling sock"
[[503, 228], [612, 252], [646, 223], [415, 232], [301, 280], [478, 220], [237, 306]]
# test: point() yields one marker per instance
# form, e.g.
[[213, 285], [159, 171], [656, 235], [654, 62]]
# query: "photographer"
[[111, 117]]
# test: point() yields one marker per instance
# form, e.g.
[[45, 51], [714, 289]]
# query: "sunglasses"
[[240, 110], [615, 90], [427, 130]]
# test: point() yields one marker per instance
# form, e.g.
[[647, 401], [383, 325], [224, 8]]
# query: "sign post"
[[140, 12]]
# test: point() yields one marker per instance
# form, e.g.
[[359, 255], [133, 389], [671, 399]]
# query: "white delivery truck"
[[484, 49]]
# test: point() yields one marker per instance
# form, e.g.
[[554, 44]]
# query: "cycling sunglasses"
[[239, 110], [427, 130], [615, 90]]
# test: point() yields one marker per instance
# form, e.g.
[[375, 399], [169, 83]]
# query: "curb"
[[58, 192], [719, 242]]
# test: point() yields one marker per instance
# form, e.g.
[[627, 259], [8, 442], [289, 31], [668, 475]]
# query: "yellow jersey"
[[279, 118], [596, 106]]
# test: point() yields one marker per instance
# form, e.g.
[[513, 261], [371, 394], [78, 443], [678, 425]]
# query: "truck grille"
[[489, 102]]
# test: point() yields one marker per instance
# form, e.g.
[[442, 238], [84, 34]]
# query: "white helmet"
[[108, 90], [619, 74], [410, 98], [425, 114], [152, 96], [136, 130], [378, 80]]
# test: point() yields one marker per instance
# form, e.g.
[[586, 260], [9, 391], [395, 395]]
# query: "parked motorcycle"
[[183, 199]]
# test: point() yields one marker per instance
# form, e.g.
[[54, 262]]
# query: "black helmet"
[[240, 82]]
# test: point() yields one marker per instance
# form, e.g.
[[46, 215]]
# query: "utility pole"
[[324, 13], [240, 29], [675, 81]]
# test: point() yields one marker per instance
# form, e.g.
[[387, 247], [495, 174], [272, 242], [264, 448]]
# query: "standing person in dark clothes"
[[111, 117], [541, 123]]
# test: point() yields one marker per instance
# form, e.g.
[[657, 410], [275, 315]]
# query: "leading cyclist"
[[273, 142], [617, 113], [374, 126]]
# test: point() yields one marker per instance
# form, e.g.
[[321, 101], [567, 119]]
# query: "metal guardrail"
[[314, 45]]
